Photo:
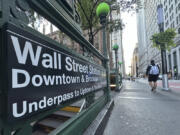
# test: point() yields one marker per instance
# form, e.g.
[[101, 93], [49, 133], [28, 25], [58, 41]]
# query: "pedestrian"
[[153, 73]]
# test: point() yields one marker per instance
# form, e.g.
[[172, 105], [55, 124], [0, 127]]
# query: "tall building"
[[142, 45], [151, 27], [172, 20], [116, 38], [147, 20], [135, 62], [147, 26]]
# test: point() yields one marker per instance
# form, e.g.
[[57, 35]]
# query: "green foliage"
[[90, 21], [115, 25], [87, 11], [34, 19], [164, 39]]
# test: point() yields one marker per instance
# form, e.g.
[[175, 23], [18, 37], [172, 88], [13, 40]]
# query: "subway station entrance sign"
[[42, 75]]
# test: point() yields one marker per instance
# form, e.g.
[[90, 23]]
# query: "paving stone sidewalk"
[[138, 111]]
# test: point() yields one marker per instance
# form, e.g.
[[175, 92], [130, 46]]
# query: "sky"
[[129, 38]]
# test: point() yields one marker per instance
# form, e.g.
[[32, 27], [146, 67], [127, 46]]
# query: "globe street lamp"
[[115, 48], [120, 63], [163, 51], [102, 11]]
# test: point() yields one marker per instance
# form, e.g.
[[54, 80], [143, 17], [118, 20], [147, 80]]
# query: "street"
[[138, 111]]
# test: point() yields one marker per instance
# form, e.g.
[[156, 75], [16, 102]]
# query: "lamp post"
[[137, 70], [120, 63], [102, 11], [163, 51], [115, 48]]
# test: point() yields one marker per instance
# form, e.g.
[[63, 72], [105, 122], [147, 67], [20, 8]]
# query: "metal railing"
[[30, 61]]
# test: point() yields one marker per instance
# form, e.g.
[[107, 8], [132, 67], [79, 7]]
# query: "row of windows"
[[173, 24], [171, 8], [171, 16], [165, 1]]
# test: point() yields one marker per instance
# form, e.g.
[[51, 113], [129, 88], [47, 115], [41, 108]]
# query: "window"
[[170, 18], [167, 23], [177, 20], [175, 1], [172, 15], [165, 2], [165, 9], [178, 30], [176, 10], [171, 7], [173, 25]]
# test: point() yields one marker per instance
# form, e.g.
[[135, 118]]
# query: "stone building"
[[142, 45], [135, 62], [116, 38], [67, 41]]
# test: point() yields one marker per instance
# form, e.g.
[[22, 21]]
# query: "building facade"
[[142, 45], [172, 20], [116, 38], [147, 20], [135, 62], [147, 26]]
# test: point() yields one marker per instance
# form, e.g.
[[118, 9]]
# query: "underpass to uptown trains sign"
[[42, 76]]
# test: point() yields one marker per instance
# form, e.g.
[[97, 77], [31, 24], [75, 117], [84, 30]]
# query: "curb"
[[98, 125]]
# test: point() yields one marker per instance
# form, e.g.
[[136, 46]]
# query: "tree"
[[34, 19], [164, 40], [87, 11], [90, 22]]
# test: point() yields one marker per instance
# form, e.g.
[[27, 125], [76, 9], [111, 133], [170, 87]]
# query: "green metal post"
[[117, 71], [115, 48], [107, 61], [102, 11], [13, 14], [120, 75]]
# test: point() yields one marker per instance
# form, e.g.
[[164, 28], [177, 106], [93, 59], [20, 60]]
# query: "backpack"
[[154, 70]]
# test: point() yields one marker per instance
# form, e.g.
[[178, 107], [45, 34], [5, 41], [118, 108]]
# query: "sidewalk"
[[138, 111], [174, 85]]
